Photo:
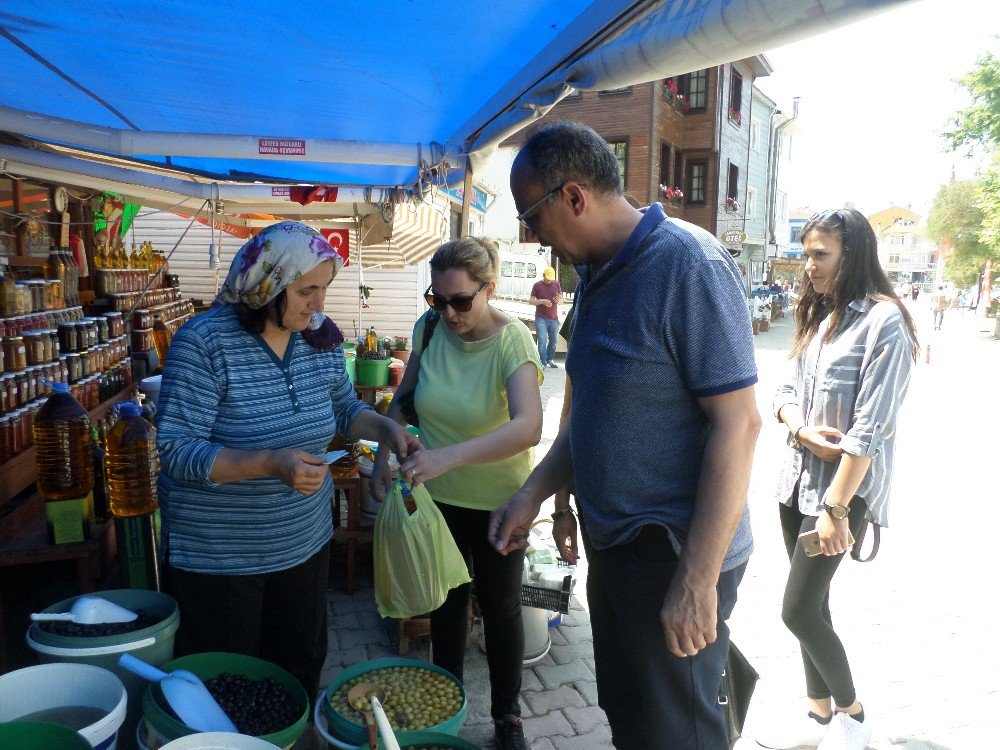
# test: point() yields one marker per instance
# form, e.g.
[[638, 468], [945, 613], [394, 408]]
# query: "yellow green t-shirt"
[[462, 394]]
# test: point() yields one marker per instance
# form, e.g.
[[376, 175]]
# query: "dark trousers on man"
[[653, 699]]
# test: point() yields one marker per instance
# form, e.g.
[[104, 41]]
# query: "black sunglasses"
[[458, 304], [830, 213]]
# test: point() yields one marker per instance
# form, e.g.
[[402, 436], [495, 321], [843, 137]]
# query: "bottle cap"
[[128, 409], [60, 388]]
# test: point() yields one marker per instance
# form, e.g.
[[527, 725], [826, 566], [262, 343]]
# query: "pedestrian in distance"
[[854, 348], [545, 296], [939, 303], [666, 532], [476, 392], [249, 402]]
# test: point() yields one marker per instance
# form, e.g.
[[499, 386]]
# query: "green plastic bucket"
[[41, 735], [350, 365], [154, 645], [354, 733], [372, 372], [422, 740], [159, 727]]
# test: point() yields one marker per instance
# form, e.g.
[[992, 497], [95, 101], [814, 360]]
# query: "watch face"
[[837, 511]]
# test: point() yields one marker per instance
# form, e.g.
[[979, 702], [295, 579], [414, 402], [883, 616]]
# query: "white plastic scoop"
[[186, 694], [89, 610], [384, 727]]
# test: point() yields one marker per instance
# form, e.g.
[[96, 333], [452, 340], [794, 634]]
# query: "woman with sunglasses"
[[480, 416], [854, 348]]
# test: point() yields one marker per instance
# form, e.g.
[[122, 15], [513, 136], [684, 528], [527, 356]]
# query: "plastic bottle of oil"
[[161, 338], [64, 464], [132, 463]]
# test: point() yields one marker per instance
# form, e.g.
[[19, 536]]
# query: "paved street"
[[916, 623]]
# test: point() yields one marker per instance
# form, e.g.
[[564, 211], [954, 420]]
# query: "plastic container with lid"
[[132, 462], [15, 356], [62, 448]]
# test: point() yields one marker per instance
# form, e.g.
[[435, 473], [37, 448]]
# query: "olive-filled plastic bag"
[[416, 559]]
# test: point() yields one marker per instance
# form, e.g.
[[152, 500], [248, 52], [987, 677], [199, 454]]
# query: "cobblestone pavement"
[[916, 622]]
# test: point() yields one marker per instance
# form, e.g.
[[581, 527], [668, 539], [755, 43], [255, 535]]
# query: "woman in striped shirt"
[[247, 406], [854, 348]]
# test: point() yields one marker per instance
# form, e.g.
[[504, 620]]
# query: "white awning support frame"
[[264, 148]]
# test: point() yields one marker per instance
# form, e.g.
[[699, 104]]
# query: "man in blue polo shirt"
[[659, 440]]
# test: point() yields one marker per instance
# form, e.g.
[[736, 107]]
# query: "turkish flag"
[[340, 239]]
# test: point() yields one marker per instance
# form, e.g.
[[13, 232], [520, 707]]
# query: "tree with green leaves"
[[956, 219]]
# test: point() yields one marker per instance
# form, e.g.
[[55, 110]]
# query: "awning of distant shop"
[[417, 231], [199, 103]]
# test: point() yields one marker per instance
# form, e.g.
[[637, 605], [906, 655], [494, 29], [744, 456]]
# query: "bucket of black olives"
[[261, 698], [419, 696]]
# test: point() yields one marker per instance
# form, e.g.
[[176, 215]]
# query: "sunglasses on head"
[[830, 213], [458, 304]]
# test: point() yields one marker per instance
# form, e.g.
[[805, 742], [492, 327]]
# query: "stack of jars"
[[110, 281], [173, 315]]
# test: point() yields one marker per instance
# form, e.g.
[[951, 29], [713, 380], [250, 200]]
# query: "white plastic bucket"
[[32, 689], [536, 633], [218, 741], [151, 387]]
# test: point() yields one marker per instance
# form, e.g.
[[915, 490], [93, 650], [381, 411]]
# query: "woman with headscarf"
[[246, 408]]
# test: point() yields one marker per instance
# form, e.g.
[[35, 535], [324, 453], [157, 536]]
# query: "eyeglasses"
[[458, 304], [523, 216], [830, 213]]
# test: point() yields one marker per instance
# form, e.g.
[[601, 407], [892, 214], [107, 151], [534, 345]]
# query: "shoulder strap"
[[876, 538], [432, 320]]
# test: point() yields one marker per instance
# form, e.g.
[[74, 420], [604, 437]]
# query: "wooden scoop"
[[360, 698]]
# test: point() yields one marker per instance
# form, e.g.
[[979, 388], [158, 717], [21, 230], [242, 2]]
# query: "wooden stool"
[[351, 487]]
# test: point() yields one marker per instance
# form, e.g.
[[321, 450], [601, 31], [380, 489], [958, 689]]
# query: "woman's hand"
[[397, 438], [301, 471], [564, 533], [834, 534], [381, 478], [424, 465], [822, 440]]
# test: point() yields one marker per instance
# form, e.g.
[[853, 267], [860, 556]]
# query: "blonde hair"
[[477, 256]]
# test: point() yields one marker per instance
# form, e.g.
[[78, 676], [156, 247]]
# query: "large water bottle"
[[62, 447], [132, 462]]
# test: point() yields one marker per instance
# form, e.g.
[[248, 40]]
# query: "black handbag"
[[407, 407], [737, 686]]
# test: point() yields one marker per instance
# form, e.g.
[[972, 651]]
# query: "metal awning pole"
[[463, 230]]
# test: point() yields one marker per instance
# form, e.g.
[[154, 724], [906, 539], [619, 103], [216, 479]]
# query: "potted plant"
[[400, 348], [732, 204], [735, 116]]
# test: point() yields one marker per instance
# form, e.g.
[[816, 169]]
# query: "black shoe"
[[509, 734]]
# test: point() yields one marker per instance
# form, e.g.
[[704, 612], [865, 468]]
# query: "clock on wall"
[[60, 199]]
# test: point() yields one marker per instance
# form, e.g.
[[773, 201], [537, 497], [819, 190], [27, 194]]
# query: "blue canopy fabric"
[[276, 83]]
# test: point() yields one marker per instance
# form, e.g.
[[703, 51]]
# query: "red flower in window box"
[[736, 116]]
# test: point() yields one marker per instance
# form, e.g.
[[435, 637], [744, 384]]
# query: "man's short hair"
[[563, 151]]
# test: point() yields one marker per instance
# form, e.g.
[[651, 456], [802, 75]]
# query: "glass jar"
[[74, 364], [32, 381], [142, 319], [67, 337], [53, 335], [7, 385], [141, 339], [22, 388], [86, 364], [16, 435], [6, 448], [127, 376], [14, 354], [63, 376], [102, 330], [116, 324], [34, 348]]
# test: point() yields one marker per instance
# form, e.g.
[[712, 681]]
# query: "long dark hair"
[[858, 277], [255, 320]]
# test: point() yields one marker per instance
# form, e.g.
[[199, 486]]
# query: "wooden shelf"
[[18, 474]]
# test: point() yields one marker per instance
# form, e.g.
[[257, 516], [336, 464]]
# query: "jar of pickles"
[[74, 366], [142, 319], [141, 339], [102, 329], [116, 324], [14, 353], [34, 347]]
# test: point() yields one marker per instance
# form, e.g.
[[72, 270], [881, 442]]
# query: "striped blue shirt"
[[856, 383], [225, 388], [663, 324]]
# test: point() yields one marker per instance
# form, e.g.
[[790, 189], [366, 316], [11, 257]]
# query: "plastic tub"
[[151, 387], [154, 645], [350, 365], [51, 686], [218, 741], [160, 728], [41, 735], [419, 740], [372, 372], [353, 733]]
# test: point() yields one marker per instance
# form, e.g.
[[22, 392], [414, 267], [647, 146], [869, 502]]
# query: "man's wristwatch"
[[562, 512], [839, 512]]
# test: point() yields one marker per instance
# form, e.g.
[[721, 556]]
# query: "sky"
[[874, 98]]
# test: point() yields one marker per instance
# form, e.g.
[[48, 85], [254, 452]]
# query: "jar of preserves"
[[142, 318], [142, 339], [74, 365], [34, 348], [21, 378], [53, 335], [86, 364], [102, 330], [63, 376], [104, 282], [116, 324], [7, 385], [16, 434], [67, 337], [14, 354], [6, 449]]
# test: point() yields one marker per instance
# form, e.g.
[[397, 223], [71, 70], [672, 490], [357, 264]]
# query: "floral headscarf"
[[272, 260]]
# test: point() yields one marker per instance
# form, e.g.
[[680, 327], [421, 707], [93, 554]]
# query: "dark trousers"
[[498, 592], [805, 609], [653, 699], [279, 617]]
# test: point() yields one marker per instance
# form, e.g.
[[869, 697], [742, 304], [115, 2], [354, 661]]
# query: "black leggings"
[[498, 591], [806, 608]]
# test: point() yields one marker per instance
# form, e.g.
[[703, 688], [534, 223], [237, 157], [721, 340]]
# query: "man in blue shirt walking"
[[659, 440]]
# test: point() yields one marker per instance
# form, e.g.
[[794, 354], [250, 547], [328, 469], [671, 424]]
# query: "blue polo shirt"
[[663, 323]]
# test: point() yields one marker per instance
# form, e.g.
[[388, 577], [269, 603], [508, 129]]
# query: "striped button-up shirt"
[[855, 383]]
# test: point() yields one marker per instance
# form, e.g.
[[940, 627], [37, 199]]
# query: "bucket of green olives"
[[430, 741], [419, 696]]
